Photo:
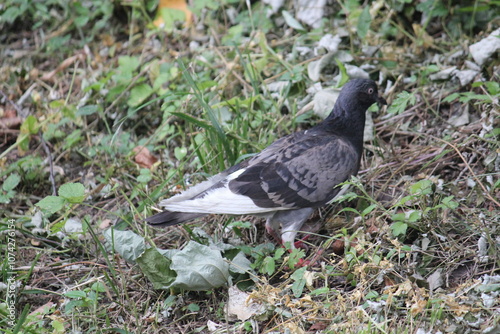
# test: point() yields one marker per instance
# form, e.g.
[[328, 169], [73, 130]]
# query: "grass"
[[103, 115]]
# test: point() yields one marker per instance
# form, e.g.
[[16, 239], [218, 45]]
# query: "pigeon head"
[[347, 118], [359, 94]]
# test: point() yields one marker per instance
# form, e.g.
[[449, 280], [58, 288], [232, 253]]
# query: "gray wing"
[[298, 171]]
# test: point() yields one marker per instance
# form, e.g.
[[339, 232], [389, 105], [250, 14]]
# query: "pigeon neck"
[[347, 124]]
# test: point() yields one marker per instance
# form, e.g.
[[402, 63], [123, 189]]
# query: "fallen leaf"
[[318, 326], [143, 157], [418, 307], [241, 306], [173, 4]]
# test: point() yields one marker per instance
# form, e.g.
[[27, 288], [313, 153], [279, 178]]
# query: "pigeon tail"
[[167, 218]]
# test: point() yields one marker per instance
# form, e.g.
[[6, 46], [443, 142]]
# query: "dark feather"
[[168, 218]]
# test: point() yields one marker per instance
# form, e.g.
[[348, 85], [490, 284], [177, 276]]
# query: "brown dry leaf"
[[265, 293], [426, 40], [294, 328], [239, 306], [9, 119], [404, 288], [108, 40], [371, 226], [318, 326], [338, 246], [418, 307], [173, 4], [143, 157], [105, 224], [460, 309], [388, 281]]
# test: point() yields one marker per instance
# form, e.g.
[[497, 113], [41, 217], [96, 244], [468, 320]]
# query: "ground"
[[104, 111]]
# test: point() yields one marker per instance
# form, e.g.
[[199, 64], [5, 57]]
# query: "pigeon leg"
[[272, 227], [291, 222]]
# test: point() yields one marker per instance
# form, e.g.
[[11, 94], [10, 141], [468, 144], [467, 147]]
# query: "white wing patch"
[[220, 200]]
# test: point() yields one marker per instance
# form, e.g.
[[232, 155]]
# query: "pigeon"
[[286, 181]]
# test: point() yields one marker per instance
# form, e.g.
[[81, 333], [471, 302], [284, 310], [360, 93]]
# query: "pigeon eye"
[[370, 90]]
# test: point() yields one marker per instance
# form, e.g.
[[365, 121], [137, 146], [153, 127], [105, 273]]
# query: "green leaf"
[[204, 85], [346, 197], [268, 266], [87, 110], [299, 281], [401, 217], [292, 22], [29, 127], [238, 102], [344, 77], [239, 264], [145, 176], [180, 153], [402, 101], [199, 268], [51, 204], [493, 87], [11, 182], [72, 139], [7, 196], [126, 243], [448, 202], [240, 224], [75, 294], [295, 256], [80, 21], [372, 295], [73, 304], [193, 307], [320, 291], [233, 35], [432, 8], [414, 216], [422, 187], [139, 94], [11, 13], [364, 22], [156, 267], [128, 64], [58, 326], [99, 287], [468, 96], [278, 253], [399, 228], [53, 131], [405, 199], [368, 210], [451, 97], [170, 16], [72, 192], [57, 104]]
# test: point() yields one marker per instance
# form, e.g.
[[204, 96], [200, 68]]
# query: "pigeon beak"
[[381, 101]]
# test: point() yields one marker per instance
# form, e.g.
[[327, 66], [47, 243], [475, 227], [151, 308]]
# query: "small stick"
[[51, 165]]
